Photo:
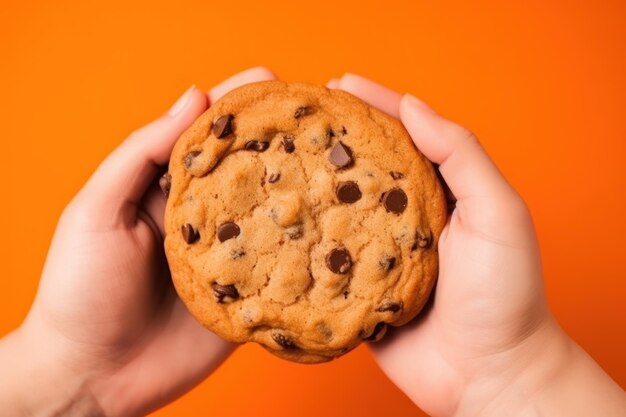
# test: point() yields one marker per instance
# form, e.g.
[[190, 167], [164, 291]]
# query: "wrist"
[[36, 380], [515, 381]]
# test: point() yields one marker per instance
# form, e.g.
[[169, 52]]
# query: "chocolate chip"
[[339, 261], [422, 240], [227, 231], [302, 111], [389, 306], [388, 263], [274, 214], [395, 200], [237, 253], [396, 175], [288, 144], [165, 182], [295, 232], [325, 330], [190, 157], [341, 155], [283, 341], [190, 234], [348, 192], [223, 126], [378, 331], [343, 130], [274, 177], [256, 145], [224, 293], [330, 133]]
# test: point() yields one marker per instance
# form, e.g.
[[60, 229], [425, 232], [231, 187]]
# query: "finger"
[[155, 200], [450, 198], [333, 83], [375, 94], [481, 190], [245, 77], [484, 193], [123, 177], [381, 97], [154, 205]]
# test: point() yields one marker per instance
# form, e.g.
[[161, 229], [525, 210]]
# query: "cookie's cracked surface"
[[302, 219]]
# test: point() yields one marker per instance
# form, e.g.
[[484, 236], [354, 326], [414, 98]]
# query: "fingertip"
[[350, 76], [260, 71], [247, 76], [192, 101], [377, 95], [422, 124], [333, 83], [412, 101]]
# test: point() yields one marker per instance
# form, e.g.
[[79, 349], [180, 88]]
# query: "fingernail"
[[181, 102], [333, 83], [417, 103]]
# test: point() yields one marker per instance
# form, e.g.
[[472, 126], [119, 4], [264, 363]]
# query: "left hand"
[[107, 334]]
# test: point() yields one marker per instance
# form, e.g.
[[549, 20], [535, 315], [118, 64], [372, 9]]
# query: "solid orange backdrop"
[[541, 83]]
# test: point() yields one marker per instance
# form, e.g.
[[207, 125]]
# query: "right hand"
[[489, 343]]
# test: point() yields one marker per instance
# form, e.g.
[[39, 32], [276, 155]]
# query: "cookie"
[[302, 219]]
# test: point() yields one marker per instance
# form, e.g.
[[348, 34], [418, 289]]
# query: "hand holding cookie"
[[107, 325], [488, 345]]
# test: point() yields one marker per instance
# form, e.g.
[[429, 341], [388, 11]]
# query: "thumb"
[[122, 179], [485, 200]]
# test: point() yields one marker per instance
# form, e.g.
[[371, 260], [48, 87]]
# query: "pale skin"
[[107, 335]]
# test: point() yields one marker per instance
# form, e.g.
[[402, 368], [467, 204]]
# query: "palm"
[[106, 301], [481, 290], [124, 310], [489, 294]]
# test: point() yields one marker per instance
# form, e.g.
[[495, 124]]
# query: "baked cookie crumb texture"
[[302, 219]]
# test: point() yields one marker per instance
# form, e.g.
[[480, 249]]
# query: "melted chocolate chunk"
[[190, 234], [339, 261], [295, 232], [224, 293], [190, 157], [325, 330], [348, 192], [378, 331], [237, 253], [389, 306], [227, 231], [395, 200], [223, 126], [256, 145], [388, 263], [341, 155], [165, 182], [396, 175], [422, 240], [302, 111], [283, 341], [274, 177], [288, 144]]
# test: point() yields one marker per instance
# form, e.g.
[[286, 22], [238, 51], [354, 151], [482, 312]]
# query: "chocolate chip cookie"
[[302, 219]]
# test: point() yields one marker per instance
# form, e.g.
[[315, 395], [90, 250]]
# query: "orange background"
[[542, 83]]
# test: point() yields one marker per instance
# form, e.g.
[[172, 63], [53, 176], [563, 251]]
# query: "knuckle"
[[462, 135], [467, 135], [134, 136]]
